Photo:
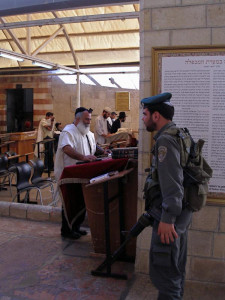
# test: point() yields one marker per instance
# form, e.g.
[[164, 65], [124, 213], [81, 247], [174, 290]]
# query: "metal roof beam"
[[47, 41], [13, 36], [67, 20], [35, 59], [28, 36], [83, 34], [69, 42], [92, 50], [16, 7]]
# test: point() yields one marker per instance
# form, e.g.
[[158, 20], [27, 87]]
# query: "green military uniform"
[[167, 261], [164, 193]]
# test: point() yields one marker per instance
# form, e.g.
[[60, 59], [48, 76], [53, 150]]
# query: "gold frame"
[[123, 97], [157, 54]]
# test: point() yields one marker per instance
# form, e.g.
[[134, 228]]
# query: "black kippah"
[[80, 109]]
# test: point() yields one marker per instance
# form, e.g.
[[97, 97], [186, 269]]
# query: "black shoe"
[[81, 232], [71, 235]]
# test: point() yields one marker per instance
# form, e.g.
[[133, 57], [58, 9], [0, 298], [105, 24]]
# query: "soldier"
[[164, 192]]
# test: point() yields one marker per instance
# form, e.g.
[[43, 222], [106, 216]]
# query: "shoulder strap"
[[185, 141]]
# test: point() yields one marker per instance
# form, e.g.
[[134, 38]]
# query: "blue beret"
[[157, 99]]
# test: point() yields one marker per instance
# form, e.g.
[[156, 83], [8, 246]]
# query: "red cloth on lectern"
[[77, 174]]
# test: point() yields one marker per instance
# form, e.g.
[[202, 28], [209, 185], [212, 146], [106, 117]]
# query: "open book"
[[103, 176]]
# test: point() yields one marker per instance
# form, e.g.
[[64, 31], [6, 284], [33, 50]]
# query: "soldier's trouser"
[[168, 261]]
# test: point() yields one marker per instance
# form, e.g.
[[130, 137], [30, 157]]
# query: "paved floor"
[[36, 263]]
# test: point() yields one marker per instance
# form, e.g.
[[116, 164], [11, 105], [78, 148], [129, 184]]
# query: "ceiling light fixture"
[[36, 63], [11, 56], [61, 70]]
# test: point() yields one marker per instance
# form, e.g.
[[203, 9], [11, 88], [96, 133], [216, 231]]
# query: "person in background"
[[164, 192], [76, 143], [58, 126], [117, 124], [45, 131], [101, 129], [58, 129], [111, 119]]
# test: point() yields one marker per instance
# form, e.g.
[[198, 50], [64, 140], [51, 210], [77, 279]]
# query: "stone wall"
[[42, 98], [180, 23], [96, 97], [50, 93]]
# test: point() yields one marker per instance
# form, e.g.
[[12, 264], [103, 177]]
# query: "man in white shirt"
[[101, 128], [76, 143]]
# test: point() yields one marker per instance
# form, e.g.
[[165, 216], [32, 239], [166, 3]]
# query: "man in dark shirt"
[[117, 124]]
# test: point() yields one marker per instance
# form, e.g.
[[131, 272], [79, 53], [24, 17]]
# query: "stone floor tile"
[[37, 264]]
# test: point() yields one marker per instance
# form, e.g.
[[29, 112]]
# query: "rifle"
[[145, 220]]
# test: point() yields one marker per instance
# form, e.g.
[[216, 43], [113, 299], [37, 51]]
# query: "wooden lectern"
[[23, 142]]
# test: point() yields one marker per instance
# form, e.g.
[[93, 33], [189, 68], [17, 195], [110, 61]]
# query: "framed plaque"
[[122, 101], [195, 77]]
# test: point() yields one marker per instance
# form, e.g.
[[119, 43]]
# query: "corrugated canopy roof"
[[76, 37]]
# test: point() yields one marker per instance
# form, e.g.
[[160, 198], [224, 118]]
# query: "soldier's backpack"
[[197, 171]]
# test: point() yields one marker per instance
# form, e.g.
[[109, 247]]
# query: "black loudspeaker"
[[19, 110]]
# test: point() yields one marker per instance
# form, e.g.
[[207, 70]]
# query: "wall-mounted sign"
[[122, 101], [195, 77]]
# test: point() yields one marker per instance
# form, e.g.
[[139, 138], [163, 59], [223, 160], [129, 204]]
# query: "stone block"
[[151, 39], [218, 35], [4, 208], [210, 270], [188, 267], [43, 96], [200, 243], [197, 2], [179, 17], [142, 261], [215, 15], [140, 207], [158, 3], [144, 139], [145, 73], [222, 220], [38, 212], [145, 20], [47, 107], [144, 163], [140, 186], [18, 210], [206, 219], [219, 245], [55, 215], [191, 37], [144, 238], [197, 290], [145, 88]]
